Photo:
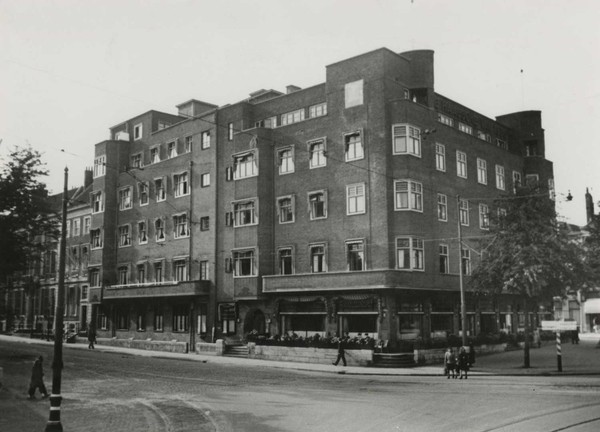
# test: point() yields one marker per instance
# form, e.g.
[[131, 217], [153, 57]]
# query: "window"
[[172, 149], [205, 140], [180, 270], [244, 263], [353, 93], [142, 232], [444, 119], [141, 319], [245, 213], [97, 202], [355, 199], [531, 148], [124, 238], [95, 277], [189, 142], [154, 155], [245, 165], [409, 253], [137, 131], [158, 272], [229, 131], [125, 201], [204, 270], [205, 180], [204, 223], [502, 144], [201, 327], [516, 176], [180, 223], [440, 157], [102, 319], [317, 202], [465, 128], [481, 171], [122, 319], [227, 318], [136, 161], [466, 261], [180, 184], [353, 146], [181, 318], [461, 164], [143, 192], [285, 208], [407, 140], [159, 230], [292, 117], [317, 110], [158, 319], [484, 136], [285, 159], [228, 173], [286, 261], [76, 227], [99, 166], [318, 263], [68, 229], [87, 224], [442, 207], [141, 273], [96, 238], [444, 259], [500, 182], [550, 189], [162, 125], [355, 255], [409, 195], [123, 275], [464, 212], [484, 218], [269, 123], [317, 154], [160, 187]]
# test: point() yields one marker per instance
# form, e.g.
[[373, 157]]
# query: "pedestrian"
[[91, 336], [575, 339], [37, 379], [471, 354], [450, 363], [341, 352], [463, 363], [537, 339]]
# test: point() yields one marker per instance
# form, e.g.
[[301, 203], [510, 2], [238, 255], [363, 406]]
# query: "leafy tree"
[[592, 250], [25, 215], [528, 253]]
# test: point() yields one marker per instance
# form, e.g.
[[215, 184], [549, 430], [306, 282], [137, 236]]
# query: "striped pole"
[[558, 352]]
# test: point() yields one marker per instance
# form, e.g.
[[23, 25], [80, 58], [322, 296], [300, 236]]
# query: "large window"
[[181, 318], [410, 253], [96, 238], [245, 213], [180, 270], [124, 236], [286, 261], [122, 319], [143, 193], [481, 171], [244, 263], [516, 176], [99, 166], [461, 164], [440, 157], [158, 318], [172, 149], [141, 273], [409, 195], [444, 259], [317, 204], [95, 277], [465, 128], [444, 119], [292, 117], [181, 226], [484, 218], [407, 139], [180, 184], [87, 224], [442, 206], [317, 110], [125, 198], [205, 140], [227, 318], [355, 255], [123, 275], [318, 261], [245, 165], [159, 275], [285, 208], [500, 181], [285, 159], [353, 93], [154, 155], [466, 261], [353, 146], [201, 327], [204, 270], [137, 131], [317, 154], [160, 188], [141, 319], [355, 199], [159, 230], [189, 142], [463, 208], [97, 202], [76, 227]]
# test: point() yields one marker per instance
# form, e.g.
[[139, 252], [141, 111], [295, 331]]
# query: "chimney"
[[292, 89], [589, 205], [88, 178]]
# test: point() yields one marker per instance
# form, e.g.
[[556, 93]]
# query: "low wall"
[[211, 349], [435, 356], [143, 344], [308, 354]]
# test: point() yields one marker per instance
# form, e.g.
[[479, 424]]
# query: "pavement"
[[577, 359]]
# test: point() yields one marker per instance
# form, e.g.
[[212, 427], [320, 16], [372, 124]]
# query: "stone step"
[[394, 360]]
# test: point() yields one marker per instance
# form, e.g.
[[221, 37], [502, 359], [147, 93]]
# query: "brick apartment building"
[[327, 209]]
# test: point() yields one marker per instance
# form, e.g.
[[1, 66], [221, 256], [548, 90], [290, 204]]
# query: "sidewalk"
[[580, 359]]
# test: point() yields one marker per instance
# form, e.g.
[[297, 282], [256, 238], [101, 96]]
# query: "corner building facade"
[[328, 209]]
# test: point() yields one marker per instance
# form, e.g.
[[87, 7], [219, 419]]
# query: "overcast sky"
[[70, 69]]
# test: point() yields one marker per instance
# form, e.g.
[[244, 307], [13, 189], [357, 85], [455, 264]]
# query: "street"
[[106, 391]]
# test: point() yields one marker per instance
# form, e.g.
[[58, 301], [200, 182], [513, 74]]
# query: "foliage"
[[592, 251], [315, 341]]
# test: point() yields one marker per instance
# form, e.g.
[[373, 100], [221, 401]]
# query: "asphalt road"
[[106, 391]]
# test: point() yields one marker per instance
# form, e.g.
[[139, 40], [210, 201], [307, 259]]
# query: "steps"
[[402, 360], [239, 351]]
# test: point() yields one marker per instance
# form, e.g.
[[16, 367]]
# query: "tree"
[[26, 217], [528, 253]]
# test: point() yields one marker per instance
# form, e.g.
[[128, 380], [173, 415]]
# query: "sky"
[[71, 69]]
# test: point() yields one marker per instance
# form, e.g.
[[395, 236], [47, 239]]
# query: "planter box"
[[308, 354], [152, 345]]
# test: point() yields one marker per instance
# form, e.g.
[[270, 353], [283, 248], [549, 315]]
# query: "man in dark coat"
[[341, 352], [37, 379], [91, 337]]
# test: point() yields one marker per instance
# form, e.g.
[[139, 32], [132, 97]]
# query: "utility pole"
[[54, 424], [463, 306]]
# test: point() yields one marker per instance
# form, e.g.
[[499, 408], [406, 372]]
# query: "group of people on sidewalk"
[[458, 365]]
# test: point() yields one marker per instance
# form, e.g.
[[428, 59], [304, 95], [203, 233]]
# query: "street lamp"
[[463, 306]]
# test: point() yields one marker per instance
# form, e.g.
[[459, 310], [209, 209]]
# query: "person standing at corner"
[[450, 362], [91, 336], [471, 354], [37, 379], [463, 363], [341, 351]]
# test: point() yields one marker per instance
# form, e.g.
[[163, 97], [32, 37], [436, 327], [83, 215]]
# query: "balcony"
[[157, 289]]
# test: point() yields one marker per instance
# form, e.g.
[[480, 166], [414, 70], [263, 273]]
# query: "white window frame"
[[416, 253], [361, 253], [502, 144], [551, 190], [413, 193], [160, 229], [125, 198], [317, 110], [124, 235], [463, 212], [96, 242], [465, 128], [444, 119], [241, 208], [465, 260], [292, 208], [172, 149], [97, 199], [412, 139], [160, 193], [444, 251], [291, 257], [229, 131], [442, 207], [317, 158], [138, 131], [137, 160], [484, 136], [143, 191], [76, 227], [142, 231], [243, 254], [356, 200], [312, 204], [180, 269], [87, 224], [357, 146], [354, 93], [154, 154], [205, 140], [181, 184], [292, 117], [312, 256], [461, 164], [481, 171], [286, 165], [205, 180], [500, 178], [181, 226], [245, 165], [484, 217], [189, 142], [100, 166], [440, 157]]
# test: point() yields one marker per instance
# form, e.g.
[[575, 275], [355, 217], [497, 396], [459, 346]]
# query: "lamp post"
[[463, 306], [54, 424]]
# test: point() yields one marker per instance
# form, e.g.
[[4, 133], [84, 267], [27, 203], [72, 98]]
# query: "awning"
[[592, 306]]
